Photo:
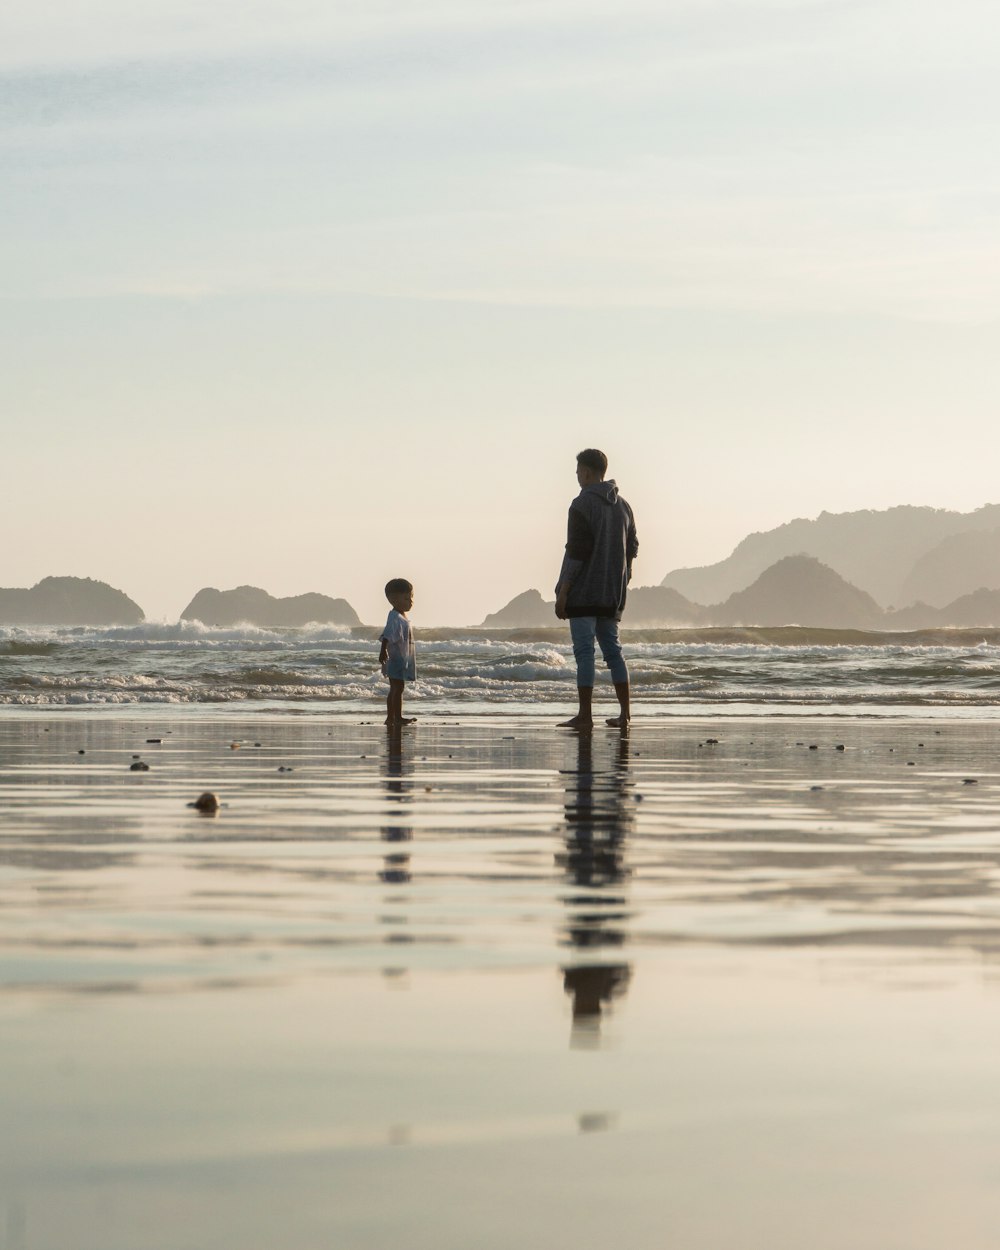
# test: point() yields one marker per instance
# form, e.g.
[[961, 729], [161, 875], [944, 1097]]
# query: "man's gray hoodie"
[[601, 544]]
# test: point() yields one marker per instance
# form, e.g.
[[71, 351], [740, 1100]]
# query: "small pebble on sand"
[[206, 802], [138, 767]]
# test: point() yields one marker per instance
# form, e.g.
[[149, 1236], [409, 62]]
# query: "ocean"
[[677, 672]]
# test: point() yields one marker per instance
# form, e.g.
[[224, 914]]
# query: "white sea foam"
[[186, 662]]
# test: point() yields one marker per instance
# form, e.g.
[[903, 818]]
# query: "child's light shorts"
[[399, 668]]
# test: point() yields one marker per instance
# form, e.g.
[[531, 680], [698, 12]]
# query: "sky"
[[313, 294]]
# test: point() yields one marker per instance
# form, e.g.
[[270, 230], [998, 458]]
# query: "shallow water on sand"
[[491, 983]]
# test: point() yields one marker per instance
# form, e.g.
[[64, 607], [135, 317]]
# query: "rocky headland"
[[249, 605], [68, 601]]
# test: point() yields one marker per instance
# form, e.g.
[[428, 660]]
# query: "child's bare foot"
[[577, 722]]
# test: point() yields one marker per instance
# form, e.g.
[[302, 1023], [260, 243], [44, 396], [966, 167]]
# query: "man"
[[600, 547]]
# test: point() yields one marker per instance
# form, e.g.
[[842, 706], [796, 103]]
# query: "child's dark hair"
[[397, 586], [591, 458]]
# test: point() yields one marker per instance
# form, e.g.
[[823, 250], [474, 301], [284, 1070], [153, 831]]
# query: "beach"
[[490, 983]]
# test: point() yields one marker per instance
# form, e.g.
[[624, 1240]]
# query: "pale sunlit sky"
[[313, 294]]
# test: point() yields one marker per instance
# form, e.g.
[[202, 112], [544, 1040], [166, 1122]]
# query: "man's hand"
[[561, 596]]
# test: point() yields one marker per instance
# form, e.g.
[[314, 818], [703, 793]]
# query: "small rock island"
[[249, 605], [68, 601]]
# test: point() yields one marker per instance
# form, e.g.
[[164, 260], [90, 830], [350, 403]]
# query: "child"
[[397, 654]]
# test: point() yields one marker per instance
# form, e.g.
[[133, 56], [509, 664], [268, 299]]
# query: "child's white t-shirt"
[[401, 661]]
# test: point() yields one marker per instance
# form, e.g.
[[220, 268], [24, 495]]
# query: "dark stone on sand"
[[152, 741], [813, 746], [840, 747], [81, 751], [138, 767], [206, 802], [970, 781]]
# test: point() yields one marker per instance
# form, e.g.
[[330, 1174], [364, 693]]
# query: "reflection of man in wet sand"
[[601, 544], [598, 819]]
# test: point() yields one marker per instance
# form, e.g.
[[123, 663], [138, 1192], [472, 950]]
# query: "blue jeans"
[[583, 630]]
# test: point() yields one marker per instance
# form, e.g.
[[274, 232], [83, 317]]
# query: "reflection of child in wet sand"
[[397, 654]]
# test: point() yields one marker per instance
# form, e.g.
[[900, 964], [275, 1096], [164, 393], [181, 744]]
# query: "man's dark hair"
[[591, 458], [397, 586]]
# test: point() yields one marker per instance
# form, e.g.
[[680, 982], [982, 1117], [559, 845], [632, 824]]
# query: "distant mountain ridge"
[[796, 590], [885, 553], [252, 606], [958, 565], [68, 601], [799, 590], [647, 605]]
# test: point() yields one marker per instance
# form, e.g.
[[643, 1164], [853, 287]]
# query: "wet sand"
[[494, 984]]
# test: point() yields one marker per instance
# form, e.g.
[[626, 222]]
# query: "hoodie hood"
[[606, 491]]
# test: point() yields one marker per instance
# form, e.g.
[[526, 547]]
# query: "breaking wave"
[[188, 663]]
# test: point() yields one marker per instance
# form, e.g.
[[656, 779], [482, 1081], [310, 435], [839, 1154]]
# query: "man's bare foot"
[[577, 722], [619, 722]]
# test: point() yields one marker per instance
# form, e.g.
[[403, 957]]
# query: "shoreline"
[[433, 713]]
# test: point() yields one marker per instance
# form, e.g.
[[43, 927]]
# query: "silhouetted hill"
[[68, 601], [253, 606], [875, 551], [916, 616], [958, 565], [651, 606], [982, 607], [800, 590], [968, 611], [647, 607], [525, 611]]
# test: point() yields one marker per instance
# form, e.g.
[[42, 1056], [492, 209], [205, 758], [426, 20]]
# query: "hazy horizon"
[[309, 296], [171, 616]]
